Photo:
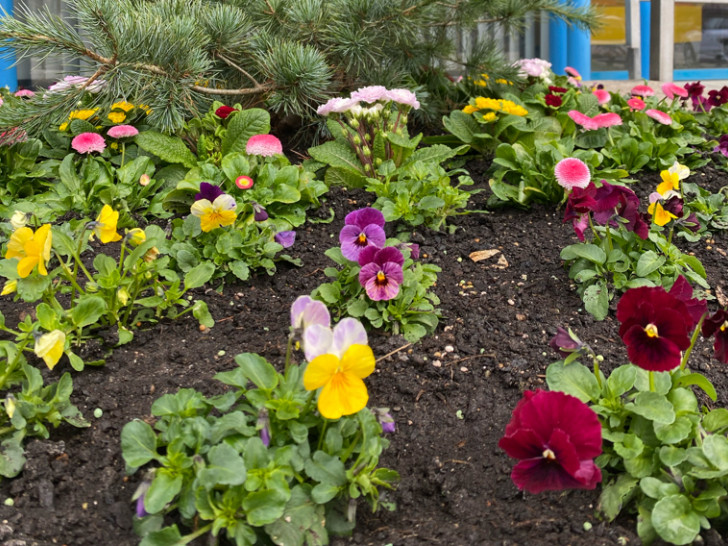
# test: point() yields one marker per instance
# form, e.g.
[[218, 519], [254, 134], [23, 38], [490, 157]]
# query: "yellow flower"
[[63, 126], [481, 83], [670, 181], [151, 254], [10, 405], [503, 81], [122, 105], [9, 288], [49, 347], [32, 249], [117, 117], [114, 146], [220, 212], [145, 108], [82, 114], [343, 392], [136, 236], [105, 226], [486, 103], [659, 215], [122, 294], [489, 116], [469, 109]]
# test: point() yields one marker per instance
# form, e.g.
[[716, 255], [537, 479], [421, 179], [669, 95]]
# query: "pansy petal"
[[389, 254], [16, 244], [345, 394], [348, 332], [297, 309], [201, 207], [26, 265], [320, 371], [358, 360], [317, 340], [224, 202]]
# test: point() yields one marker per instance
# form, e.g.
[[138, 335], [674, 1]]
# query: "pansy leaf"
[[596, 300], [715, 447], [162, 491], [616, 494], [656, 489], [652, 406], [699, 380], [169, 536], [672, 456], [264, 507], [138, 443], [302, 521], [202, 314], [199, 275], [649, 262], [587, 251], [574, 379], [716, 420], [12, 458], [253, 368], [675, 520], [225, 466], [87, 310], [621, 379]]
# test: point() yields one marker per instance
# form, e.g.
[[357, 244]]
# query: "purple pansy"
[[208, 191], [363, 228], [259, 213], [307, 311], [285, 238], [381, 272]]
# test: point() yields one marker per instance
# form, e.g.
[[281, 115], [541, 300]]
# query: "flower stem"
[[289, 350], [323, 434], [652, 380], [693, 339]]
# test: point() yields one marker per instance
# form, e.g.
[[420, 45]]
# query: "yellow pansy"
[[122, 105], [9, 288], [105, 226], [659, 215], [117, 117], [49, 347], [136, 236], [342, 390], [670, 181], [33, 249], [221, 212]]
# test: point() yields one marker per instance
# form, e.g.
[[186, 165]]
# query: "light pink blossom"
[[609, 119], [572, 173], [264, 145], [670, 89], [86, 143], [403, 96], [370, 94], [24, 93], [659, 116], [77, 81], [582, 119], [643, 91], [636, 104], [536, 68], [337, 105], [122, 131], [602, 96]]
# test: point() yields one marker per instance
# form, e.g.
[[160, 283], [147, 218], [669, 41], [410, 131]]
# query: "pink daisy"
[[659, 116], [88, 142], [244, 182], [24, 93], [122, 131], [636, 104], [573, 72], [670, 89], [582, 119], [572, 173], [265, 145], [602, 96], [607, 120], [643, 91]]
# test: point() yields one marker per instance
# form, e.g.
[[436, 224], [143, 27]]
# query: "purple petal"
[[389, 254], [208, 191], [364, 217], [317, 340], [348, 332], [350, 238], [381, 290], [285, 238]]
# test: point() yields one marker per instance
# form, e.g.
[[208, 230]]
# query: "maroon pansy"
[[683, 290], [613, 201], [556, 437], [655, 327], [717, 325], [578, 206]]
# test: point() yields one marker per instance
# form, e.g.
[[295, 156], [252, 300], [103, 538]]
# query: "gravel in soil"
[[451, 394]]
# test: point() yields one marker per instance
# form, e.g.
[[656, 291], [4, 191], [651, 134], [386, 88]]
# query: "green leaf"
[[699, 380], [716, 420], [326, 469], [199, 275], [587, 251], [162, 491], [242, 126], [615, 495], [649, 262], [257, 369], [138, 444], [652, 406], [169, 148], [12, 458], [302, 522], [240, 269], [622, 379], [324, 492], [675, 521], [264, 507], [656, 489], [87, 310], [329, 292], [169, 536], [574, 379], [461, 125], [715, 448], [674, 432], [225, 466], [46, 316], [672, 456], [202, 314], [596, 300], [337, 154]]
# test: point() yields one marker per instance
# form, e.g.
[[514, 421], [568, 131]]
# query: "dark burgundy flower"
[[722, 146], [224, 111], [208, 191], [556, 437], [694, 89], [655, 327], [578, 206], [553, 100], [717, 325], [690, 222], [718, 97], [682, 290], [565, 342], [674, 205], [613, 201], [554, 89]]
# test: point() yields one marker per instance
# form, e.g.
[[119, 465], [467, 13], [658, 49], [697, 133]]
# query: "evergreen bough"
[[177, 56]]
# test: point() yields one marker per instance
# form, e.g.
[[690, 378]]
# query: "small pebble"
[[98, 412], [9, 501], [436, 363], [449, 348]]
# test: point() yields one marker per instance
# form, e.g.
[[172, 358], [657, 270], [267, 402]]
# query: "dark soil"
[[451, 394]]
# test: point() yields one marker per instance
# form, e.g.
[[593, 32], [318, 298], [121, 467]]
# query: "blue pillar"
[[557, 45], [8, 73], [645, 9], [578, 45]]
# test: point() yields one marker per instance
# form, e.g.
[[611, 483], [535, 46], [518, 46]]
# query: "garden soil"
[[504, 292]]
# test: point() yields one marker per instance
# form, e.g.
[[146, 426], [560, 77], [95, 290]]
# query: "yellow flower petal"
[[106, 228], [320, 371], [16, 244], [9, 288], [670, 180], [358, 360], [345, 394], [50, 346]]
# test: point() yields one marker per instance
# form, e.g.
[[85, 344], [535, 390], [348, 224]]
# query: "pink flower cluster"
[[77, 81], [536, 68], [369, 95]]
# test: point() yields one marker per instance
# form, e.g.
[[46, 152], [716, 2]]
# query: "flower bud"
[[357, 140], [19, 219], [144, 179], [354, 124], [91, 287], [367, 151], [10, 405], [9, 288], [378, 161], [151, 255], [136, 236], [123, 296]]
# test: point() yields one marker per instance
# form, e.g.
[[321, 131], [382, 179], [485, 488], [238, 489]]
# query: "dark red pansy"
[[655, 327], [683, 291], [556, 437], [717, 325]]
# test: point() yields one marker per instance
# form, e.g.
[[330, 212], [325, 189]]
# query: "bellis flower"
[[218, 213], [32, 248], [306, 312], [672, 90], [122, 131], [572, 173], [27, 93], [602, 95], [362, 228], [105, 226], [224, 111], [208, 191], [717, 325], [381, 273], [642, 91], [85, 143], [49, 347], [659, 116], [654, 326], [263, 145], [636, 103], [285, 238], [343, 391], [319, 339], [582, 119], [556, 437], [244, 182]]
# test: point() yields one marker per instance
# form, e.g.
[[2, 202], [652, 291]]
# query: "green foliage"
[[213, 468]]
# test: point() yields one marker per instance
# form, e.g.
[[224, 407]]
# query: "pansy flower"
[[32, 248], [619, 201], [654, 327], [105, 226], [259, 212], [717, 325], [682, 171], [218, 213], [363, 228], [319, 339], [49, 347], [556, 438], [565, 342], [306, 312], [682, 290], [381, 272], [285, 238], [208, 191], [722, 146]]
